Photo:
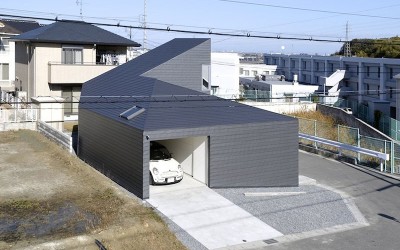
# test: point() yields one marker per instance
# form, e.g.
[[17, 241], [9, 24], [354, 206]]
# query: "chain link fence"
[[351, 136]]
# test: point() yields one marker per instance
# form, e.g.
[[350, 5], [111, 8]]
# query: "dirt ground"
[[50, 199]]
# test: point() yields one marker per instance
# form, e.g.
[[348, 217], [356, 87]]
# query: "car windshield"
[[159, 154]]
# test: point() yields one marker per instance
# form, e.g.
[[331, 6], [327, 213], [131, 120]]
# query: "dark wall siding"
[[113, 148], [189, 63], [264, 154]]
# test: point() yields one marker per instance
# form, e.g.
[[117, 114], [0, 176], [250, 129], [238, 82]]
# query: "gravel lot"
[[318, 208]]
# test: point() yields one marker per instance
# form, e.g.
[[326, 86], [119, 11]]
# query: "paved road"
[[377, 197]]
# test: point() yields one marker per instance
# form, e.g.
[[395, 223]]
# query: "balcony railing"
[[60, 73]]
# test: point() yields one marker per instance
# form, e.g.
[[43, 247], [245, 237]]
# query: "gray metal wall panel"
[[189, 63], [265, 154], [113, 148]]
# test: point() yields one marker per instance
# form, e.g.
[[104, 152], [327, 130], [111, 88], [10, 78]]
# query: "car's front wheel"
[[151, 180]]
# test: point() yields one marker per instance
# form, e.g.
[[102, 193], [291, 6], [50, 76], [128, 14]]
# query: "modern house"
[[161, 96], [225, 74], [56, 59], [9, 29], [370, 80]]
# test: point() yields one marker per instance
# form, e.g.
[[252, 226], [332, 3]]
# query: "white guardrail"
[[380, 155]]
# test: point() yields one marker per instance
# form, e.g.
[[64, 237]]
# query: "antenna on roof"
[[79, 2]]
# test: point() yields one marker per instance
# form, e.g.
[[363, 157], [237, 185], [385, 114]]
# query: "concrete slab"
[[208, 217]]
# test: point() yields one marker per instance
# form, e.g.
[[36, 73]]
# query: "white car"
[[163, 168]]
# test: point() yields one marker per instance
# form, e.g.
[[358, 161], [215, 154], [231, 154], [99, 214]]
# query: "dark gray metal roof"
[[17, 26], [75, 33], [167, 106]]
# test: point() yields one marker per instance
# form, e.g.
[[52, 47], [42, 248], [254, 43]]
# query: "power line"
[[310, 10], [169, 29]]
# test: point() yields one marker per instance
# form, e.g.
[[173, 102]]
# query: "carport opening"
[[192, 154]]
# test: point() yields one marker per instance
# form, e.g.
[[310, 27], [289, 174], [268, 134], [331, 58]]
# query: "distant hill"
[[376, 48]]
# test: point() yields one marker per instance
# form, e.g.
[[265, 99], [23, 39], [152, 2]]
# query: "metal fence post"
[[385, 160], [315, 133], [358, 145], [392, 157]]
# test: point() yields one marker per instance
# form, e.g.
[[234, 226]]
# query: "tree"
[[376, 48]]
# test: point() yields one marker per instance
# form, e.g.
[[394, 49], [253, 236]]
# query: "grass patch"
[[71, 126], [83, 202]]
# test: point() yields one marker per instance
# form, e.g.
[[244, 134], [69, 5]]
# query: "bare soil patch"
[[46, 195]]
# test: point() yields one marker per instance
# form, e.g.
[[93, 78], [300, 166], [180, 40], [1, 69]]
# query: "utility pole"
[[79, 3], [347, 49], [144, 26]]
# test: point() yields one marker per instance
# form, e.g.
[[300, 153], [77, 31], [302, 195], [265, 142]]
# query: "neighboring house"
[[160, 96], [276, 89], [225, 74], [371, 80], [56, 59], [9, 29]]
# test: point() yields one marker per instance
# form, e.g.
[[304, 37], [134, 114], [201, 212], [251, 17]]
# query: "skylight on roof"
[[132, 112]]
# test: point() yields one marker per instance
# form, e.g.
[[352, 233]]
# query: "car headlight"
[[155, 171], [180, 168]]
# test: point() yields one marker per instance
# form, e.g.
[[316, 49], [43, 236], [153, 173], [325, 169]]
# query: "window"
[[347, 67], [4, 71], [4, 44], [367, 70], [304, 65], [379, 72], [72, 55], [316, 79], [317, 66], [391, 73], [246, 72], [265, 73], [367, 89], [358, 69], [241, 71], [132, 112], [390, 92], [71, 97], [283, 63], [379, 88], [206, 78]]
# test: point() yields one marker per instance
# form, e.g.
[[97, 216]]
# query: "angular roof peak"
[[71, 32]]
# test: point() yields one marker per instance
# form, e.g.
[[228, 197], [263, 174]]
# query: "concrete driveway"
[[208, 217]]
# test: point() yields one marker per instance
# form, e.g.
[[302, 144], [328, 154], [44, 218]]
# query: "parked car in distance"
[[164, 169]]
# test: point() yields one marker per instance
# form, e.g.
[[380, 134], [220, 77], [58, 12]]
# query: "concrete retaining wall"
[[283, 108], [351, 121], [6, 126]]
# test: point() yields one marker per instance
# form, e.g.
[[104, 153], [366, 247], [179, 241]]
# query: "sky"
[[284, 18]]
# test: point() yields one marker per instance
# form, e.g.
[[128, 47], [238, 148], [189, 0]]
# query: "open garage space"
[[192, 154], [208, 217]]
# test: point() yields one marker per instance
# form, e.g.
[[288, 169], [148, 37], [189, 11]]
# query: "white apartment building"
[[251, 70], [224, 74], [371, 80]]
